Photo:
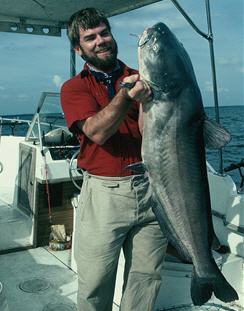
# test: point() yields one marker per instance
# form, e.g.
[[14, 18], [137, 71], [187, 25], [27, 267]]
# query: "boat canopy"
[[48, 17]]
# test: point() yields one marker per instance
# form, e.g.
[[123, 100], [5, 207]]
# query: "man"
[[114, 212]]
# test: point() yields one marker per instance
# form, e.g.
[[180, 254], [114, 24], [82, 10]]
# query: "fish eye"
[[155, 46]]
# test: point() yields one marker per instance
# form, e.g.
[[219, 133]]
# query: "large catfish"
[[174, 137]]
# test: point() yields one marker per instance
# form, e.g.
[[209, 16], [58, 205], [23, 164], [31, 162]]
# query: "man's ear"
[[78, 50]]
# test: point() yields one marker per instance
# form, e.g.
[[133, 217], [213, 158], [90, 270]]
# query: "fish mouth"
[[142, 41], [145, 37], [152, 34], [149, 37]]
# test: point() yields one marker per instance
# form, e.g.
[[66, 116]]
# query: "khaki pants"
[[115, 213]]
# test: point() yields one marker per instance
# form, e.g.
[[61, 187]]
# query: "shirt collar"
[[91, 68]]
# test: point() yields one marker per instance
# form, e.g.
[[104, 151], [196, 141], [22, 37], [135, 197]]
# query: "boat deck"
[[15, 227], [33, 279], [39, 280]]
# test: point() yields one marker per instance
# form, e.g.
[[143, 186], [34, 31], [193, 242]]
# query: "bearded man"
[[113, 213]]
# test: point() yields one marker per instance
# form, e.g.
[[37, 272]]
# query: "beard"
[[106, 64]]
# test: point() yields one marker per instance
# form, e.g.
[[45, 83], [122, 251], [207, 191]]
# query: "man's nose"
[[100, 39]]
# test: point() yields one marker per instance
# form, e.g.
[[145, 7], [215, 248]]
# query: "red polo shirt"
[[82, 97]]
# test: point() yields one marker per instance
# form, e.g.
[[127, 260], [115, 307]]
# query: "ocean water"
[[16, 128], [231, 117]]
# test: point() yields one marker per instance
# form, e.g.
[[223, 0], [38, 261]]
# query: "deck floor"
[[39, 279], [45, 276], [15, 227], [53, 281], [33, 279]]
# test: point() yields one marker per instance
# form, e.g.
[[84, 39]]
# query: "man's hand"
[[102, 125], [141, 91]]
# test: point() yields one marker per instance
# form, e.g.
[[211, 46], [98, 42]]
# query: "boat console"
[[44, 184]]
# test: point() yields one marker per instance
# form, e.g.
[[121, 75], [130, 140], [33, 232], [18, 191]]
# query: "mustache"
[[104, 48]]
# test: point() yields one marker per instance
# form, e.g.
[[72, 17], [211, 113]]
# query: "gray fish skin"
[[174, 153]]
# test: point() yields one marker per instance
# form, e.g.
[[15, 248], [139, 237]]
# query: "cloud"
[[150, 15], [223, 90], [22, 96], [228, 61], [231, 63], [209, 88], [5, 96], [57, 80], [241, 69]]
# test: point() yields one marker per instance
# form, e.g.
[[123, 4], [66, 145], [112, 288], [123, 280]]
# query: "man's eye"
[[105, 33], [91, 38]]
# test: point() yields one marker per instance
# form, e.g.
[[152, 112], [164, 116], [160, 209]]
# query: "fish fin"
[[215, 136], [138, 167], [223, 290], [201, 289], [217, 246]]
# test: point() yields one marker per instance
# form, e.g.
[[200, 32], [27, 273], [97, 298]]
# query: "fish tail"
[[223, 290], [202, 289]]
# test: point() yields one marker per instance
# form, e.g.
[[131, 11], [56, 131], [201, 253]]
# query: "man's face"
[[98, 47]]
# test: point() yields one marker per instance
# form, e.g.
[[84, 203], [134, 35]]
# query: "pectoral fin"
[[138, 167], [215, 136]]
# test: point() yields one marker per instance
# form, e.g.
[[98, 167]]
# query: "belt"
[[115, 178]]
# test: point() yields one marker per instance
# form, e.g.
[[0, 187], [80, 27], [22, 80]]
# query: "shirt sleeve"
[[77, 102]]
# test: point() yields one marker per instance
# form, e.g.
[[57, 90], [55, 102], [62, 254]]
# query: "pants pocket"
[[85, 195]]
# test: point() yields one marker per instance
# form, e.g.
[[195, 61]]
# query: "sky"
[[31, 64]]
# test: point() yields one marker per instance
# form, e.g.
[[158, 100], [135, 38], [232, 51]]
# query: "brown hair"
[[85, 19]]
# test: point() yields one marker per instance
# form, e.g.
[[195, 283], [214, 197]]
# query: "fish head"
[[163, 61]]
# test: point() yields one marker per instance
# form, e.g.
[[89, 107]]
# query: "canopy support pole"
[[209, 37], [72, 62]]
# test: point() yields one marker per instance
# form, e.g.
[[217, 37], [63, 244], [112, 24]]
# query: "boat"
[[40, 184]]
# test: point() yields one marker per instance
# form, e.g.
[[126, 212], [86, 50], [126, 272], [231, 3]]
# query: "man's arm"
[[105, 123]]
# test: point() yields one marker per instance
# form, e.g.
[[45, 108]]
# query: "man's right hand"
[[141, 91]]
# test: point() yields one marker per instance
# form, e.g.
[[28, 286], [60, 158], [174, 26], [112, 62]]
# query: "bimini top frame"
[[209, 37], [48, 17]]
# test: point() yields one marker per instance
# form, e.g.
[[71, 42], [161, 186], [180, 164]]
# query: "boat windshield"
[[48, 118]]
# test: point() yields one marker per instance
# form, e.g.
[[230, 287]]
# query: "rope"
[[47, 187]]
